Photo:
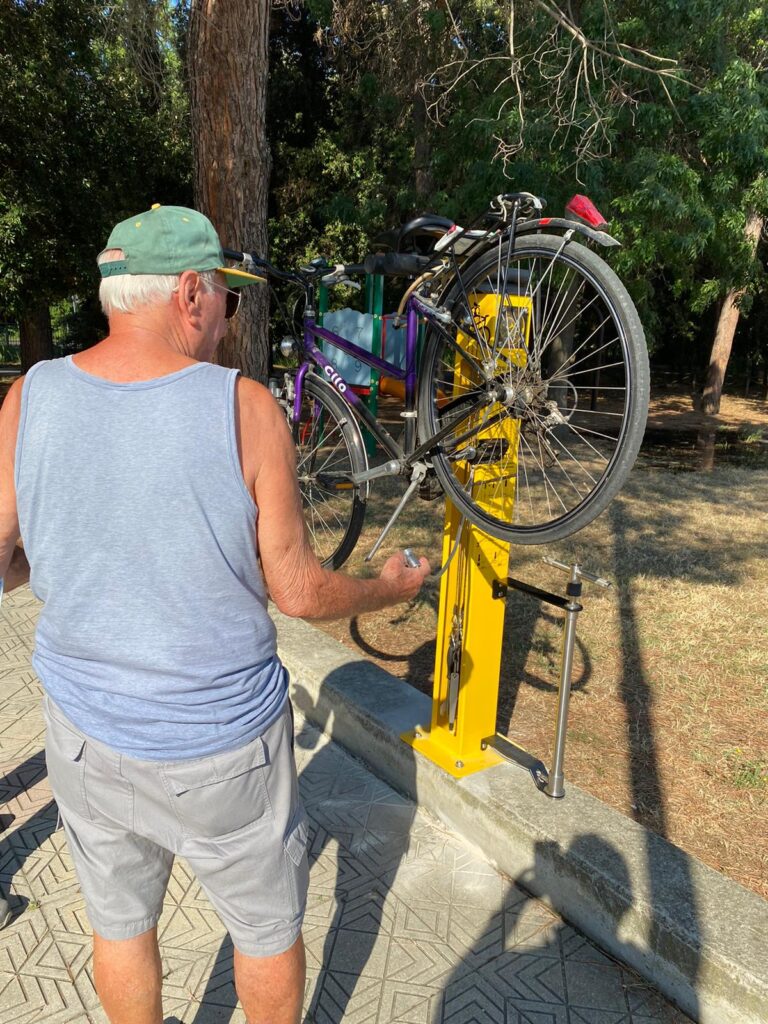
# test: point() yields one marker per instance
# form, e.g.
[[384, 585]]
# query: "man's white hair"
[[125, 293]]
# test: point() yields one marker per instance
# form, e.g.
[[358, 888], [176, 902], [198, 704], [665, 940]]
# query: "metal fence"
[[64, 342]]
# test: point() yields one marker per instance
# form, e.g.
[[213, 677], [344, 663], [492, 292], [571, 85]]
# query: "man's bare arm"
[[297, 582], [17, 572], [14, 568]]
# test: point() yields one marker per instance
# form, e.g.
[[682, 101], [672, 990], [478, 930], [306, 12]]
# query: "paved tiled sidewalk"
[[405, 923]]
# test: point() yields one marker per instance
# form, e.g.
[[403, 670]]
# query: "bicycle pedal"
[[334, 482], [430, 488]]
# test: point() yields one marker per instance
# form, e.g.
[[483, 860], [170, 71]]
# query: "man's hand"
[[405, 582]]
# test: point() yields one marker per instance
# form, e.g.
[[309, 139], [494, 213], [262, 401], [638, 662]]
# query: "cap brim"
[[240, 278]]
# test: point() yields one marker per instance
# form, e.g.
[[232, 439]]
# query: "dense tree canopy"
[[87, 136], [658, 110], [376, 111]]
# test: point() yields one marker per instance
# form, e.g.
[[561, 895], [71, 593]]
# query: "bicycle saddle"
[[396, 264], [417, 235]]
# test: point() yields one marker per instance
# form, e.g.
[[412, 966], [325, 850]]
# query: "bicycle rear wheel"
[[543, 371], [329, 449]]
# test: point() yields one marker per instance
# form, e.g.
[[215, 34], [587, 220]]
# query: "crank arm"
[[391, 468]]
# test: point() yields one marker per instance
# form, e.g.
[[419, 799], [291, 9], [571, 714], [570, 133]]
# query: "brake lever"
[[332, 280]]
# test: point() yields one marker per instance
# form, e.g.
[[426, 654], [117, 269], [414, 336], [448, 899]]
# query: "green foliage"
[[85, 138], [378, 112], [678, 163]]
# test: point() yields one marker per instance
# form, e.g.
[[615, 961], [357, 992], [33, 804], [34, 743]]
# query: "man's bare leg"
[[271, 988], [128, 978]]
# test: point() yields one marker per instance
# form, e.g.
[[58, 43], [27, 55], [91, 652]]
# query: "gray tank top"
[[141, 536]]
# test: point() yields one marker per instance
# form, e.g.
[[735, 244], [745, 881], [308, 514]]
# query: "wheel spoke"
[[325, 454], [568, 360]]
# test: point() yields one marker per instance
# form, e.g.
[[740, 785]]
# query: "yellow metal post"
[[470, 627]]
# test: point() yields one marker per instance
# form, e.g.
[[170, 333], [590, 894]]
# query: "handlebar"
[[395, 264], [251, 260], [327, 274]]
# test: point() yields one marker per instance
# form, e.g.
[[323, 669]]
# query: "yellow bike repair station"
[[462, 737], [470, 625]]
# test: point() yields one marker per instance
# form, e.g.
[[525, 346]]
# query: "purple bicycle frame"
[[333, 377]]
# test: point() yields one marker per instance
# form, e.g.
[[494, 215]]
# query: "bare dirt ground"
[[669, 718]]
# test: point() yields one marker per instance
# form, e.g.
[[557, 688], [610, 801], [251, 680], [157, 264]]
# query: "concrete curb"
[[696, 935]]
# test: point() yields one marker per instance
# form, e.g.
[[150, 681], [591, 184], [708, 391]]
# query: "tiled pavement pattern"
[[405, 923]]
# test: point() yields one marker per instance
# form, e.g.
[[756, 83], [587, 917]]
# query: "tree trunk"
[[705, 445], [726, 329], [228, 66], [35, 336]]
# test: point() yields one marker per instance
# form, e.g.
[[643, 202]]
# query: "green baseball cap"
[[170, 240]]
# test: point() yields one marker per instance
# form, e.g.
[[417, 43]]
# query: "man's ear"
[[189, 292]]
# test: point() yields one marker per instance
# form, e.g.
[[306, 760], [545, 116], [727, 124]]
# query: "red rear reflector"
[[587, 211], [545, 220]]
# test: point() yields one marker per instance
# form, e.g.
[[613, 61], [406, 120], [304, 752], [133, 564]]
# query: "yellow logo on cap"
[[155, 206], [137, 224]]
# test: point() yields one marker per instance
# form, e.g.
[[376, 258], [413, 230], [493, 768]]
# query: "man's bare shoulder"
[[256, 403], [262, 427], [250, 390], [10, 411], [14, 393]]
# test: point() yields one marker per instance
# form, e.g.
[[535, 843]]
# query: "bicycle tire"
[[555, 441], [327, 431]]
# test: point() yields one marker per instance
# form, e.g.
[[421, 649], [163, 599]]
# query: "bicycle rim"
[[547, 338], [329, 450]]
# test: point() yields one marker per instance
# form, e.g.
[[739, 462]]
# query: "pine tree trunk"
[[35, 336], [228, 66], [726, 329], [705, 446]]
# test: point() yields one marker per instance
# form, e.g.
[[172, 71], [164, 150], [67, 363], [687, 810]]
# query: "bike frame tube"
[[335, 379], [411, 345], [382, 365]]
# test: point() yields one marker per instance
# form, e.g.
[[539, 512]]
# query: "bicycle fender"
[[528, 227]]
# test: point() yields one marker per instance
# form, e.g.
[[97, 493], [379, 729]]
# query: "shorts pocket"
[[296, 859], [65, 754], [220, 794]]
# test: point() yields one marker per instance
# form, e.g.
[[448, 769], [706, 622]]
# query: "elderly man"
[[157, 499]]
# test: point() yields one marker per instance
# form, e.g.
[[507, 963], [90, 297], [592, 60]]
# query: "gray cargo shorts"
[[236, 817]]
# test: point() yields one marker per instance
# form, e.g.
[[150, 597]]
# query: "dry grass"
[[668, 717], [671, 410]]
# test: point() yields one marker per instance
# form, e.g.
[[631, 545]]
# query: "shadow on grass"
[[648, 797]]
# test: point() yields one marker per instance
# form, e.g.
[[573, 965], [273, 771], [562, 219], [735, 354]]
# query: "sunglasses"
[[233, 300]]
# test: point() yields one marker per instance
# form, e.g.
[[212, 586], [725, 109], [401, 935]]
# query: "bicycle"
[[528, 403]]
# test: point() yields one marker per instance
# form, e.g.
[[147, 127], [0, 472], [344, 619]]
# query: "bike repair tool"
[[551, 783], [411, 559]]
